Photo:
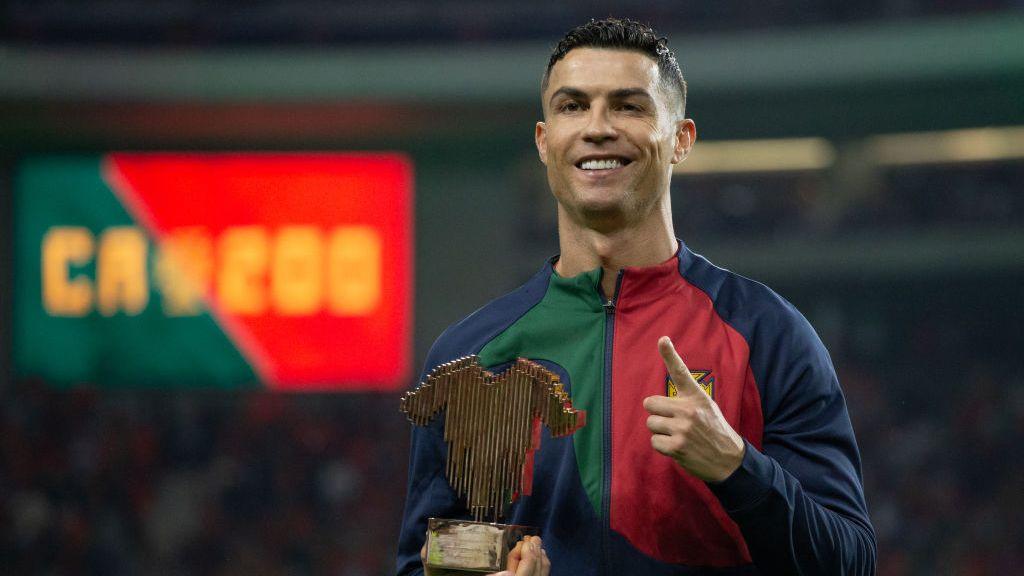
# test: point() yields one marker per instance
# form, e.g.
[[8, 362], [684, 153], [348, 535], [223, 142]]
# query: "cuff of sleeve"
[[748, 484]]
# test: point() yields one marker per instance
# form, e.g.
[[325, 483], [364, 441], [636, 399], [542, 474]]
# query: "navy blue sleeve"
[[799, 503], [428, 494]]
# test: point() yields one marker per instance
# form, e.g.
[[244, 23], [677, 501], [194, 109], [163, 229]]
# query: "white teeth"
[[601, 164]]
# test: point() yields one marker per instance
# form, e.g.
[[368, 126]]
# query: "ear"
[[540, 137], [686, 135]]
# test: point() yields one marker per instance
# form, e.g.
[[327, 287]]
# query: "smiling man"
[[741, 460]]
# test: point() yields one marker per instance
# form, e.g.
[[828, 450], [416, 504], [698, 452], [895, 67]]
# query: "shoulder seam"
[[475, 345], [714, 301]]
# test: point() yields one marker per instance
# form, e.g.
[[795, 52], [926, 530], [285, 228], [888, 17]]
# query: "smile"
[[603, 163]]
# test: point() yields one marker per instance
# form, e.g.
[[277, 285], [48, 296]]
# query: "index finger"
[[677, 370]]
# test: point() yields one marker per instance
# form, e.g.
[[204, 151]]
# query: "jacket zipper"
[[606, 481]]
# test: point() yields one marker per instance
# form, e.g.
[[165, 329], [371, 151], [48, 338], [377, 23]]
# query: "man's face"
[[610, 135]]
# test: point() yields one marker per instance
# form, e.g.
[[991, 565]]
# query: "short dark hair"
[[623, 34]]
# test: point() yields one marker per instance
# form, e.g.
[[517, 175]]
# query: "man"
[[740, 461]]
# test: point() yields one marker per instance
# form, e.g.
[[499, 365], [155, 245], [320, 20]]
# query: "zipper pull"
[[609, 307]]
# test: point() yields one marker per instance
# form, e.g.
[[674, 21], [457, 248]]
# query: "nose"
[[599, 128]]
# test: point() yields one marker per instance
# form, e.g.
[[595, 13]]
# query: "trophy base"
[[463, 546]]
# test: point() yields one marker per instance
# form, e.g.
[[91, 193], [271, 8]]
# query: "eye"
[[569, 106], [629, 107]]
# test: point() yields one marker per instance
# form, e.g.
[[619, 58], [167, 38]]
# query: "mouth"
[[602, 164]]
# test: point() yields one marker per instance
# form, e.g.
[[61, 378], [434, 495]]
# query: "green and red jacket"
[[605, 502]]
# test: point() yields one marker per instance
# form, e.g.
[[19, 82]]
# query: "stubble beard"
[[629, 210]]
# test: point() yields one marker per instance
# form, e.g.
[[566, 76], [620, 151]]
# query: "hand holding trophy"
[[492, 429]]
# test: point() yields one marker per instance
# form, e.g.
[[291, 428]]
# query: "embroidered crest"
[[704, 379]]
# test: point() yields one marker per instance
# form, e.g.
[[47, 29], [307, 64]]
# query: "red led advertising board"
[[290, 271]]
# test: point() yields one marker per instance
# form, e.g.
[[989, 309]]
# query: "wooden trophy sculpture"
[[492, 428]]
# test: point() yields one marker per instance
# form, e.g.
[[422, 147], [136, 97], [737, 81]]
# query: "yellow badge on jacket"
[[704, 379]]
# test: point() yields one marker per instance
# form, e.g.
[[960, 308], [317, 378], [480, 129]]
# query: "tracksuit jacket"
[[605, 502]]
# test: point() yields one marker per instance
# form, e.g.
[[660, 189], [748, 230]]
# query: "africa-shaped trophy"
[[492, 428]]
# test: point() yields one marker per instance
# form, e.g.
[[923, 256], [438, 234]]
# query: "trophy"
[[492, 429]]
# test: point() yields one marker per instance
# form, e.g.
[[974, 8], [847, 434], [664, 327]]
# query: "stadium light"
[[767, 155], [949, 146], [807, 154]]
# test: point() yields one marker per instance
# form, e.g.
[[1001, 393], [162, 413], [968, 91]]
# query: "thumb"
[[677, 370]]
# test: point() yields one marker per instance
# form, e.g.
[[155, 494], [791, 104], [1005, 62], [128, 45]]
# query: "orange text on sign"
[[295, 270]]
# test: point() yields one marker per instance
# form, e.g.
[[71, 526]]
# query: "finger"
[[671, 358], [677, 370], [662, 405], [667, 445], [531, 562], [515, 556], [659, 424]]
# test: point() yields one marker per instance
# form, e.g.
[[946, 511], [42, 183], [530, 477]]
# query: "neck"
[[648, 242]]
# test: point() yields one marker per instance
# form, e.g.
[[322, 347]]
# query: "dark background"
[[911, 273]]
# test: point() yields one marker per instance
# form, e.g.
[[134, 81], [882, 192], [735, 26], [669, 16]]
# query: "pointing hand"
[[690, 428]]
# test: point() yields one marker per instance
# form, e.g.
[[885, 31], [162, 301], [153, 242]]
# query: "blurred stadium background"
[[863, 158]]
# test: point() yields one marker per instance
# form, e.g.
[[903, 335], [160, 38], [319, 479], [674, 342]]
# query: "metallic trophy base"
[[456, 546]]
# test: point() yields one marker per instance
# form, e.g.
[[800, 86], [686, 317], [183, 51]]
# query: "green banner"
[[89, 296]]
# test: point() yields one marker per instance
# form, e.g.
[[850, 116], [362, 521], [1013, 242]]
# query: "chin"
[[606, 195], [601, 206], [603, 200], [592, 205], [604, 214]]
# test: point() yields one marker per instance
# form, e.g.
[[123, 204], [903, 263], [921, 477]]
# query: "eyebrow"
[[567, 91], [619, 94], [624, 93]]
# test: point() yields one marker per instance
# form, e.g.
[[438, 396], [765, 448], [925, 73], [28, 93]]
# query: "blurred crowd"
[[940, 443], [906, 199], [221, 484], [258, 483]]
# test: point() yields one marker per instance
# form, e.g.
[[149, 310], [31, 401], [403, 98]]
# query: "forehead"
[[604, 69]]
